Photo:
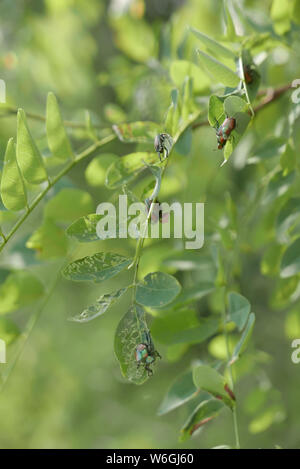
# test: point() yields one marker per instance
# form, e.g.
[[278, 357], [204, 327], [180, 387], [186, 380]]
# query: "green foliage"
[[192, 304], [157, 290]]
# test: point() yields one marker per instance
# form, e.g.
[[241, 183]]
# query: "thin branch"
[[270, 95]]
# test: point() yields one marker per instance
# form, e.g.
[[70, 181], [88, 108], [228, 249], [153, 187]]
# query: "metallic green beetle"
[[145, 353]]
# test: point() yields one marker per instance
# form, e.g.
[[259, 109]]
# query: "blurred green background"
[[66, 390]]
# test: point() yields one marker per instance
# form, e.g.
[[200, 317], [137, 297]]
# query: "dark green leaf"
[[157, 290], [206, 411], [290, 264], [238, 309], [243, 342]]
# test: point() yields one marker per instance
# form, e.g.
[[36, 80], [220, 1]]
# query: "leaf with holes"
[[100, 306], [130, 332], [97, 268]]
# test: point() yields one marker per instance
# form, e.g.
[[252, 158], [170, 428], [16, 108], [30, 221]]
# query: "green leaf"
[[127, 168], [216, 114], [180, 69], [234, 105], [238, 309], [84, 229], [267, 418], [102, 304], [58, 140], [98, 267], [95, 172], [69, 204], [204, 412], [8, 331], [157, 290], [130, 332], [270, 263], [183, 327], [29, 158], [290, 264], [19, 289], [192, 294], [181, 391], [242, 121], [213, 46], [218, 71], [243, 342], [137, 132], [13, 191], [209, 380], [49, 241]]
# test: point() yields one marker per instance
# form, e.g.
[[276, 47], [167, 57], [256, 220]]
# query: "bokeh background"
[[66, 390]]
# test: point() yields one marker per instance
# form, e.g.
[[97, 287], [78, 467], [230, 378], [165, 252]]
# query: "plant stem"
[[231, 382], [52, 182], [140, 243]]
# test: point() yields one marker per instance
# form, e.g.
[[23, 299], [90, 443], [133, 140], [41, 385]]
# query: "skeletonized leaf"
[[206, 411], [157, 290], [58, 140], [98, 267], [13, 191], [100, 306], [84, 229], [29, 158], [130, 332]]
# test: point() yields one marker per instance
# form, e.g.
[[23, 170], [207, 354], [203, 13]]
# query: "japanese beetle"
[[162, 144], [248, 74], [145, 353], [224, 130]]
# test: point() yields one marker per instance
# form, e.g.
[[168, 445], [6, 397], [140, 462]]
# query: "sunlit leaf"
[[95, 172], [58, 140], [180, 69], [219, 72], [49, 240], [19, 289], [29, 158], [213, 46], [13, 191], [69, 204]]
